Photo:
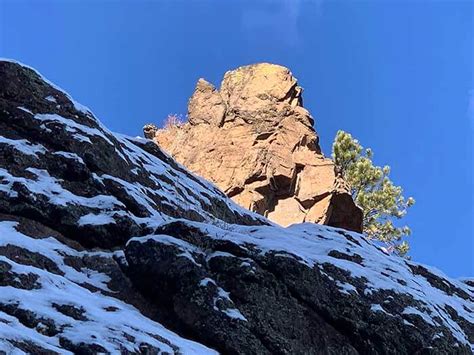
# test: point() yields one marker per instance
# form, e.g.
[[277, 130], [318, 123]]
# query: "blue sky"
[[398, 75]]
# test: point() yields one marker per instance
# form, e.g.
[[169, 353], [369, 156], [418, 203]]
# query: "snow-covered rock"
[[57, 298], [304, 287], [107, 245]]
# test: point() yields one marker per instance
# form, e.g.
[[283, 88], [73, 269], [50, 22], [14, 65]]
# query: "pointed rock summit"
[[254, 139]]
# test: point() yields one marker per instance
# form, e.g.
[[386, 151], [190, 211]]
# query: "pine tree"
[[381, 201]]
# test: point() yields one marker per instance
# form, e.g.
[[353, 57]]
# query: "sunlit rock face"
[[254, 139]]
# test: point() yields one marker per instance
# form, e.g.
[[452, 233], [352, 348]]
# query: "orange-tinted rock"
[[255, 141]]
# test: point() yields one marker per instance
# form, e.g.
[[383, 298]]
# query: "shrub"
[[174, 120]]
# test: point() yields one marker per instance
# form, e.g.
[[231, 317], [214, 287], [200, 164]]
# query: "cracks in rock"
[[294, 93], [313, 308], [295, 179]]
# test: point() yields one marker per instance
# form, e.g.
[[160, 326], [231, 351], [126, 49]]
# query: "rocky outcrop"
[[108, 246], [77, 168], [256, 142], [67, 187], [310, 289]]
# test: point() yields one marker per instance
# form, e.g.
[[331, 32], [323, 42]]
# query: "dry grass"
[[174, 121]]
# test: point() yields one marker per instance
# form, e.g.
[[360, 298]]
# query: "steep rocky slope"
[[254, 139], [109, 246]]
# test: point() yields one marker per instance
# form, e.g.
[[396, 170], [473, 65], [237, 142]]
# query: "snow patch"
[[230, 312], [24, 146], [95, 219], [25, 110], [71, 156], [72, 126]]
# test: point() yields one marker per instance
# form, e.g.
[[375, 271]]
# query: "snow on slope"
[[51, 303], [434, 298], [33, 185], [66, 160], [99, 319]]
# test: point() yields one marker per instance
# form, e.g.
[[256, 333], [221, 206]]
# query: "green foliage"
[[373, 191]]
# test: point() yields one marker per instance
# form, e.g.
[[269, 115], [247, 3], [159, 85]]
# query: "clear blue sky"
[[397, 75]]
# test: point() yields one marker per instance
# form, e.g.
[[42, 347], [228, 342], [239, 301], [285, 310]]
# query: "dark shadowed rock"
[[229, 290]]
